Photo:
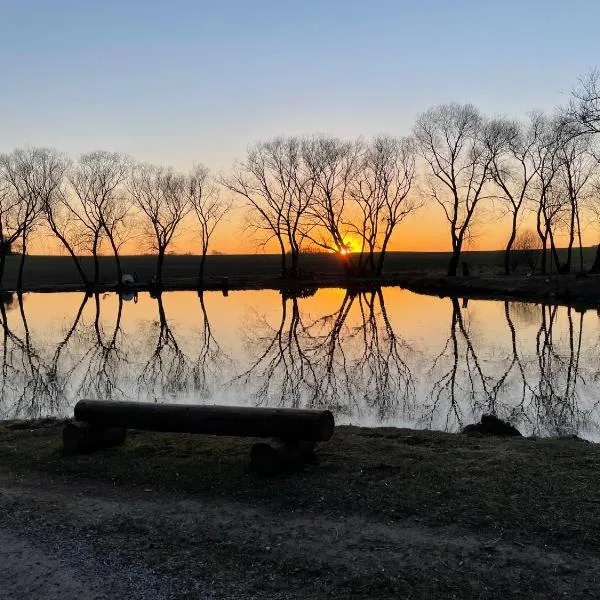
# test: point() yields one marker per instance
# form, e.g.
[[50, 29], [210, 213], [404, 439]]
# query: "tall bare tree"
[[382, 196], [513, 167], [577, 169], [278, 192], [451, 138], [208, 206], [332, 166], [584, 113], [160, 193], [25, 175], [101, 203]]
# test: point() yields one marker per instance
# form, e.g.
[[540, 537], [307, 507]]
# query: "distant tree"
[[278, 192], [381, 194], [160, 193], [452, 140], [208, 207], [526, 248]]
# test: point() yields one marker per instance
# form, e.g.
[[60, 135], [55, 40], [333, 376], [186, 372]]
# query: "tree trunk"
[[201, 269], [2, 266], [283, 259], [66, 244], [22, 264], [596, 266], [159, 266], [511, 240], [453, 265], [580, 243], [117, 259], [96, 261], [295, 258]]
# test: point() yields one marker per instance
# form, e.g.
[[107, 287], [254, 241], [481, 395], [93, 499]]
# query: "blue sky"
[[180, 81]]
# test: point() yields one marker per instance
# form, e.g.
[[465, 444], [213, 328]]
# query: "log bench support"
[[291, 435]]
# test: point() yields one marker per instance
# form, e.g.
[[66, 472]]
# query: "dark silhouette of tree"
[[208, 206], [332, 166], [101, 204], [23, 178], [278, 191], [452, 140], [513, 168], [382, 195], [160, 194]]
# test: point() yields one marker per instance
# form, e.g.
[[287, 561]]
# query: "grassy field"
[[59, 270], [381, 513]]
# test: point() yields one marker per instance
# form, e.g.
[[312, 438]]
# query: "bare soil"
[[380, 513]]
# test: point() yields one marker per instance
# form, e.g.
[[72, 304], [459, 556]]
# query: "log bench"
[[289, 435]]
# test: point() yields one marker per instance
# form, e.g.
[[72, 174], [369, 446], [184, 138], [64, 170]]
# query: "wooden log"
[[282, 423], [271, 456], [82, 438]]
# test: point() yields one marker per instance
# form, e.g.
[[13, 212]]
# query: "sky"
[[181, 82]]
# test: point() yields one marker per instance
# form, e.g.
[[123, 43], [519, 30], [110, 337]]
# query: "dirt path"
[[89, 540]]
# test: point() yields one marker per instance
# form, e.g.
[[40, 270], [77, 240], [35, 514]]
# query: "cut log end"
[[272, 456], [82, 438]]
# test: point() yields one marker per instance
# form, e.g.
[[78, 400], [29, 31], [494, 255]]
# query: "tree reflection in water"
[[32, 385], [329, 362], [532, 364], [539, 391], [104, 360]]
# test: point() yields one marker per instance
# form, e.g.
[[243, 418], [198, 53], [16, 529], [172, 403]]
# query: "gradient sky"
[[184, 81]]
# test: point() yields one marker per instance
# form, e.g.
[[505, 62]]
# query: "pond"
[[377, 358]]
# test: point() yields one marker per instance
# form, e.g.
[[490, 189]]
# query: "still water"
[[389, 357]]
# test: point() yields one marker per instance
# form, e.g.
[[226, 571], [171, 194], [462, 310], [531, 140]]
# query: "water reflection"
[[374, 357]]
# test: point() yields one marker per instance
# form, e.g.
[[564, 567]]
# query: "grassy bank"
[[381, 512]]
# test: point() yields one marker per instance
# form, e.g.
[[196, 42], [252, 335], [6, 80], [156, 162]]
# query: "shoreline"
[[579, 292]]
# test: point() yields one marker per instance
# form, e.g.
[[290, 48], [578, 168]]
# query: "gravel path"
[[56, 567]]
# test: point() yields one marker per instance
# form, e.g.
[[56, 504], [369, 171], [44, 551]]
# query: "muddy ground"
[[380, 513]]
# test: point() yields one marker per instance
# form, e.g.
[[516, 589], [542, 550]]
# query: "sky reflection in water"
[[388, 357]]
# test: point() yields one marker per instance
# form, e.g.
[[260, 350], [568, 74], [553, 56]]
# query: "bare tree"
[[584, 108], [24, 173], [101, 204], [278, 192], [160, 194], [546, 195], [526, 249], [381, 194], [451, 138], [209, 208], [332, 166], [513, 167], [577, 168], [51, 167]]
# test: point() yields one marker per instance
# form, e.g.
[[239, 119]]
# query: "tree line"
[[322, 193]]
